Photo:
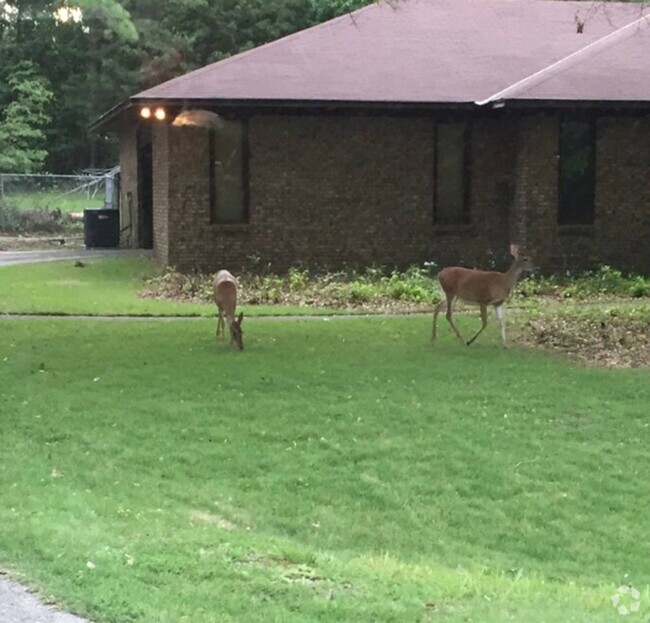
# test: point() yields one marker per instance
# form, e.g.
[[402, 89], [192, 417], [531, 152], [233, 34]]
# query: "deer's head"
[[522, 261], [236, 334]]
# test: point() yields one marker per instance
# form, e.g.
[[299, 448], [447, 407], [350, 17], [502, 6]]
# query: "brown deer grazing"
[[482, 288], [225, 296]]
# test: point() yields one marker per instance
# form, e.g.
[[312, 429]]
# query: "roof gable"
[[446, 51]]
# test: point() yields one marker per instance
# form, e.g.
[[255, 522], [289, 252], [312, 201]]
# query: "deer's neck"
[[512, 275]]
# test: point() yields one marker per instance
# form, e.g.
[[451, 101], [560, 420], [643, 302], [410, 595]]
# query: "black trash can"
[[101, 228]]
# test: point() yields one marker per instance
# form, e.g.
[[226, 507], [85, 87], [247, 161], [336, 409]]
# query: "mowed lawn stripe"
[[332, 471]]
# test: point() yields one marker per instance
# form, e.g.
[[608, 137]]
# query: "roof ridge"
[[264, 46], [568, 61]]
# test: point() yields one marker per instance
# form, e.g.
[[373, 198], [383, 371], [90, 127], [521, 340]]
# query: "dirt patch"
[[618, 337], [206, 518]]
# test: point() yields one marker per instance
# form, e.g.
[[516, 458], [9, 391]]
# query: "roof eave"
[[521, 103], [112, 116], [258, 103], [105, 120]]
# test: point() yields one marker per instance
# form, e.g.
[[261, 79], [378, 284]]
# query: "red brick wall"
[[165, 171], [331, 191], [620, 234], [623, 193]]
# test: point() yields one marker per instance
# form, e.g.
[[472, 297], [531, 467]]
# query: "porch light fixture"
[[160, 114]]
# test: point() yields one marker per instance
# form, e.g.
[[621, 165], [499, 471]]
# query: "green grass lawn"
[[53, 199], [101, 287], [341, 470]]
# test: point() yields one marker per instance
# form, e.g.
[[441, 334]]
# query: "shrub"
[[349, 287], [406, 291], [413, 288], [15, 221], [605, 281], [298, 279], [639, 287], [361, 292]]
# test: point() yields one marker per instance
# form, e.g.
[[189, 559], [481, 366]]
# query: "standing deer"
[[225, 296], [482, 288]]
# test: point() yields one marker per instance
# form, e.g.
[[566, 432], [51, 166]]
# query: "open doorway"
[[145, 189]]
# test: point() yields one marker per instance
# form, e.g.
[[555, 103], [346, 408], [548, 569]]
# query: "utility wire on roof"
[[568, 61]]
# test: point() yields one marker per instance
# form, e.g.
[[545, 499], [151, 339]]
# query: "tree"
[[95, 53], [85, 50], [187, 34], [328, 9], [21, 130]]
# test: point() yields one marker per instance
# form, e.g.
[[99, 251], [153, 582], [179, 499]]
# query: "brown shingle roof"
[[427, 51]]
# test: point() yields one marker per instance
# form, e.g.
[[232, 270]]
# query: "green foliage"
[[120, 47], [298, 279], [21, 129], [415, 284], [328, 9], [111, 17], [88, 64], [412, 288], [16, 221], [605, 281], [361, 292]]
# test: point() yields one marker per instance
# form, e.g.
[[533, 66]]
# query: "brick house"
[[410, 131]]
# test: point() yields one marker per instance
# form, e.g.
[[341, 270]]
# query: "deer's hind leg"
[[220, 323]]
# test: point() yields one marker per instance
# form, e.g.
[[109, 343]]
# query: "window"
[[452, 173], [576, 172], [229, 172]]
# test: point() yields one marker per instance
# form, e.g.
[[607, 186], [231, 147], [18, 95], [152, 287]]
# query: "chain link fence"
[[53, 204]]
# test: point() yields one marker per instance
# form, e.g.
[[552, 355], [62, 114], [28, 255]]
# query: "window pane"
[[576, 173], [229, 203], [450, 173]]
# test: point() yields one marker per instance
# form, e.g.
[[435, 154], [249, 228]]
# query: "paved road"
[[11, 258], [17, 605]]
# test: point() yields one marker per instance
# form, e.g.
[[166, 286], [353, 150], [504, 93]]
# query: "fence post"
[[3, 209], [108, 192]]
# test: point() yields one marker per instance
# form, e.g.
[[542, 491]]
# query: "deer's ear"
[[240, 318], [514, 250]]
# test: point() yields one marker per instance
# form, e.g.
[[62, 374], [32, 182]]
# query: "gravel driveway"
[[11, 258], [17, 605]]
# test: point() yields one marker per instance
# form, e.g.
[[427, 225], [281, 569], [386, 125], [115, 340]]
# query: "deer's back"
[[225, 289], [473, 286]]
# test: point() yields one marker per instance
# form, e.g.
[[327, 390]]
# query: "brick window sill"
[[453, 228], [232, 227], [575, 230]]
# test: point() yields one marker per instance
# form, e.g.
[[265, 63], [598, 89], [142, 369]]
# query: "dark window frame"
[[567, 213], [465, 218], [212, 178]]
